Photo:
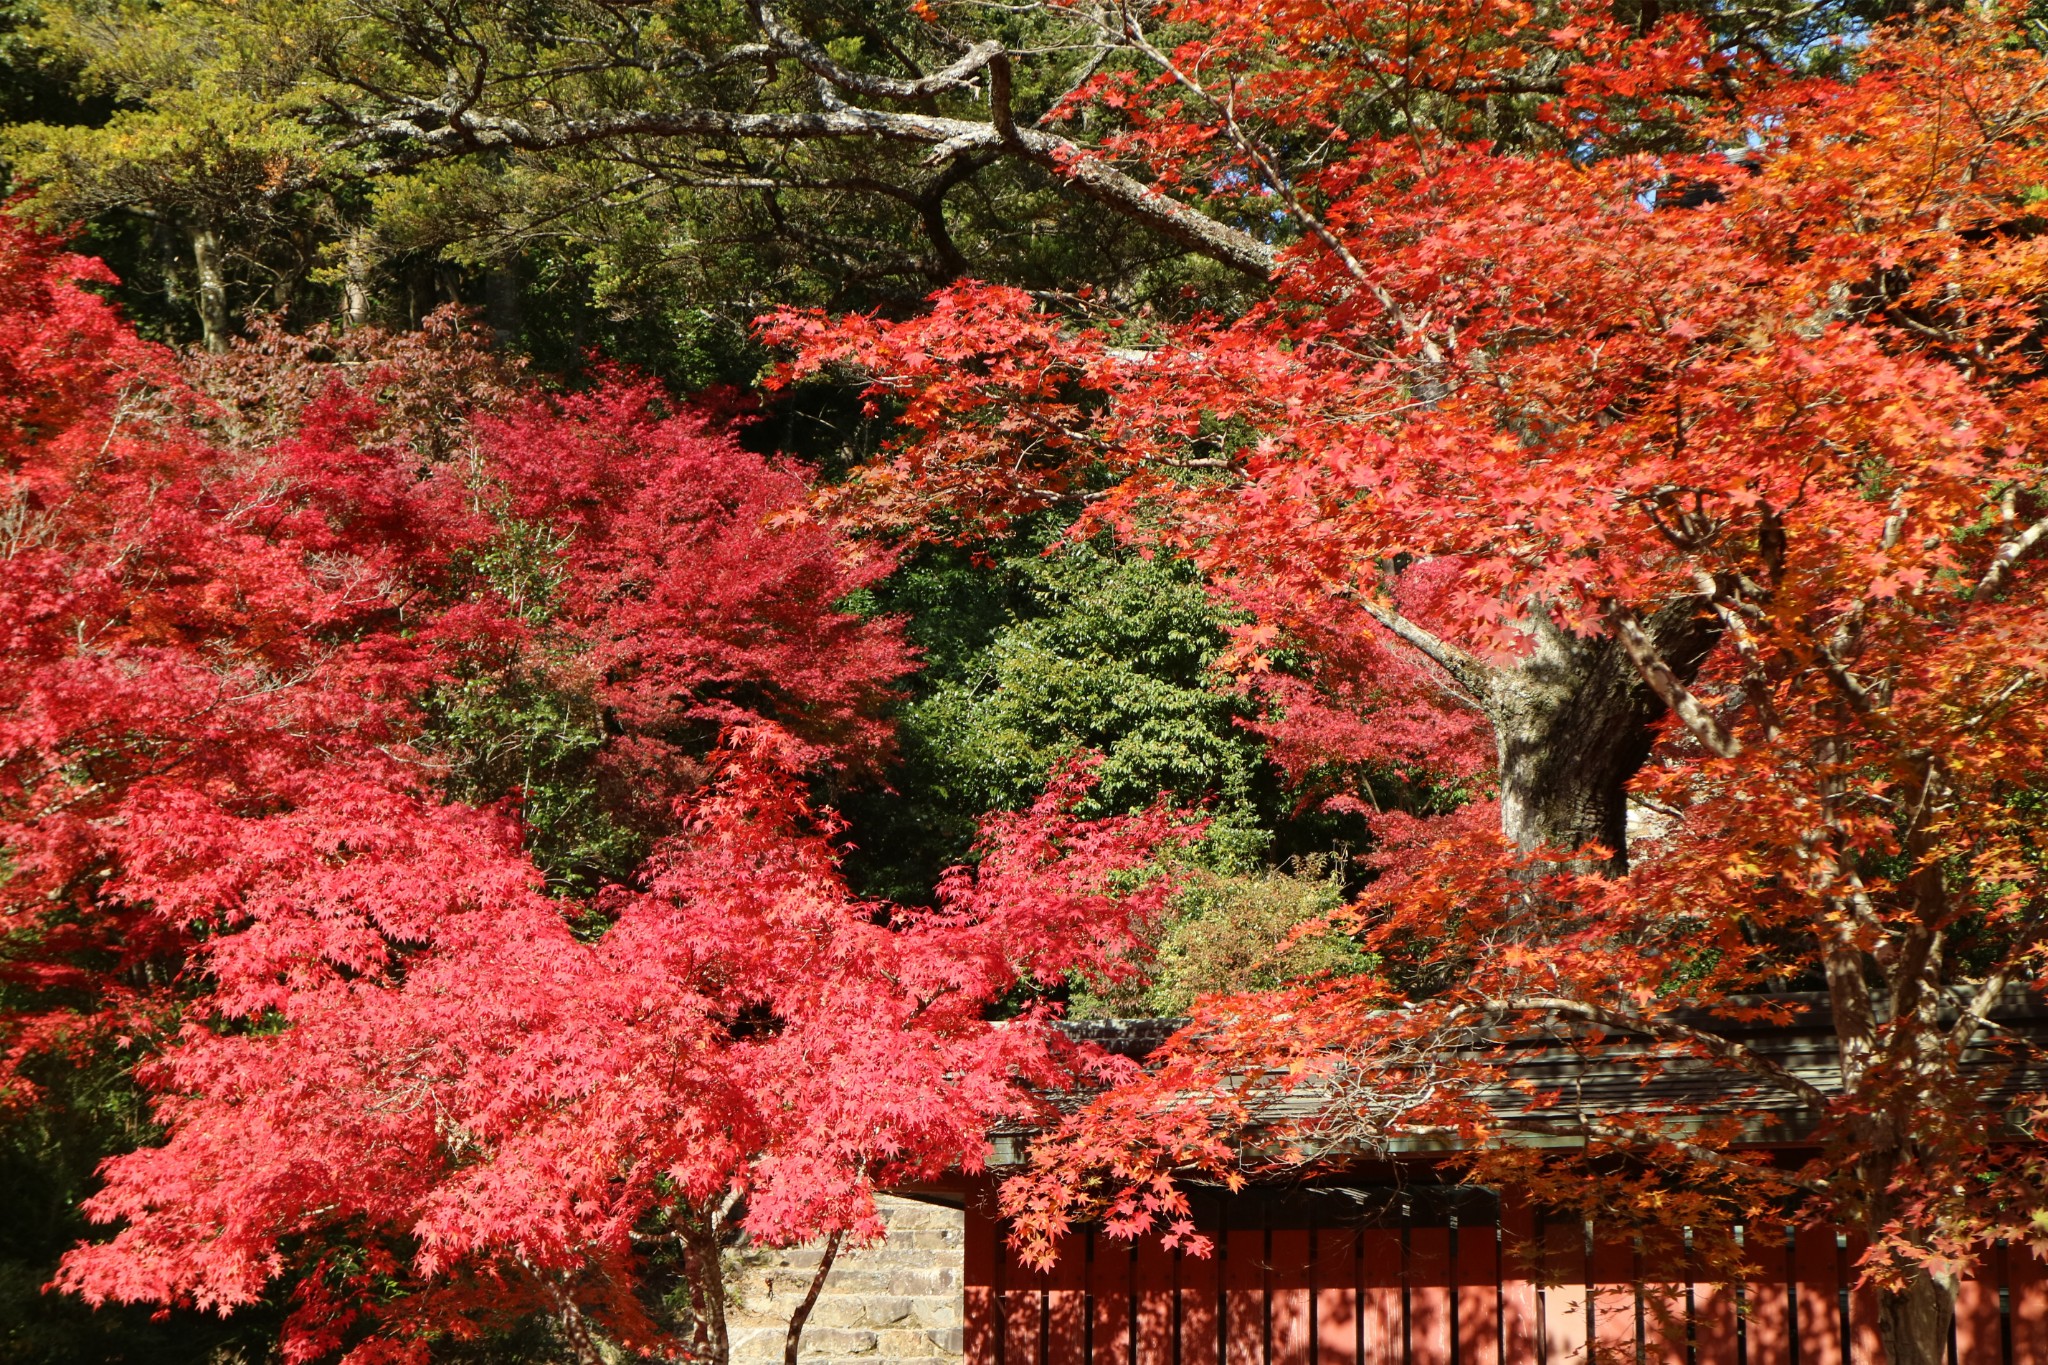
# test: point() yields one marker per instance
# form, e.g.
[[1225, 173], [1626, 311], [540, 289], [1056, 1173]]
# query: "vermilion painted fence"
[[1454, 1280]]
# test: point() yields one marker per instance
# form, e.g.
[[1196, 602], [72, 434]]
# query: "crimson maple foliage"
[[195, 637], [1692, 458], [521, 1122], [697, 588], [400, 1084]]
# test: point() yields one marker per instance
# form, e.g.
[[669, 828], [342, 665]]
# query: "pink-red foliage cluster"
[[400, 1084]]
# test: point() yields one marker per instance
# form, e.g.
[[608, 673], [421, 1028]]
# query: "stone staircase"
[[894, 1303]]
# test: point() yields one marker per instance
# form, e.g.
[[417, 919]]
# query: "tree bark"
[[1913, 1322], [213, 290], [434, 131], [794, 1341], [355, 279], [704, 1255], [1573, 723]]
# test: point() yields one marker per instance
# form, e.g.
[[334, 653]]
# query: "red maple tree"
[[1689, 453], [195, 635], [510, 1121], [400, 1084]]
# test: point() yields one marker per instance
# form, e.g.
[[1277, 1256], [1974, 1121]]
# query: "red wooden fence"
[[1443, 1280]]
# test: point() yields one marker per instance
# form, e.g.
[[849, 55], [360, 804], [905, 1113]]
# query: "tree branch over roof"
[[1667, 1029]]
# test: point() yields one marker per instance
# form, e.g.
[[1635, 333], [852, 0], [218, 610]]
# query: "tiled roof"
[[1560, 1076]]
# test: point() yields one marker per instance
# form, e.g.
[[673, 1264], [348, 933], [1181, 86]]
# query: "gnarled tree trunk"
[[1573, 722]]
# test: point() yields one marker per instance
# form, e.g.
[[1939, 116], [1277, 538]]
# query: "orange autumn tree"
[[1686, 445]]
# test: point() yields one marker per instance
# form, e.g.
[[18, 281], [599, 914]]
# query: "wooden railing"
[[1450, 1281]]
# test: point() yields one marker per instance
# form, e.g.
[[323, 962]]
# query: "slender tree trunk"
[[794, 1341], [213, 289], [503, 307], [164, 240], [585, 1344], [419, 293], [704, 1251], [1890, 1025], [355, 279], [1572, 724]]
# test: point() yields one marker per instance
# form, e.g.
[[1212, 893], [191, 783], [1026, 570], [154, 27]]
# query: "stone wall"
[[894, 1303]]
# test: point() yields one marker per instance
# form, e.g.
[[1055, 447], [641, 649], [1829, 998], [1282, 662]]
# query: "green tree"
[[596, 173], [207, 141], [1116, 655], [1040, 648], [1232, 932]]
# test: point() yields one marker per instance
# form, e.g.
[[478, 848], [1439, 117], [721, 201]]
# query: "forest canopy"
[[613, 609]]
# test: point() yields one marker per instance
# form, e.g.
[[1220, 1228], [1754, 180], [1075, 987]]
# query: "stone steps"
[[894, 1303]]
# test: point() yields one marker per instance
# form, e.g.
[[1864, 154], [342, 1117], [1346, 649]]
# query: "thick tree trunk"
[[1913, 1322], [213, 289], [1572, 724]]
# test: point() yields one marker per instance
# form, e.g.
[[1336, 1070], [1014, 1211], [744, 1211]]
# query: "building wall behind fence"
[[894, 1303], [1480, 1285]]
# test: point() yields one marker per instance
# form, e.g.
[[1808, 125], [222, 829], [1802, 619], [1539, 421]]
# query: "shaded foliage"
[[1049, 648]]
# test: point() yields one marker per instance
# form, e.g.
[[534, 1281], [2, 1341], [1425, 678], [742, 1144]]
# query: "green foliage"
[[1041, 648], [1116, 657], [233, 119], [41, 85], [1046, 647], [1035, 656], [35, 83], [197, 145], [1236, 932], [525, 735], [194, 156]]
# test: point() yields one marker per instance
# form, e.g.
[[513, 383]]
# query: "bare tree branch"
[[1992, 989], [417, 129], [816, 60], [1469, 673], [2008, 557], [1643, 653]]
